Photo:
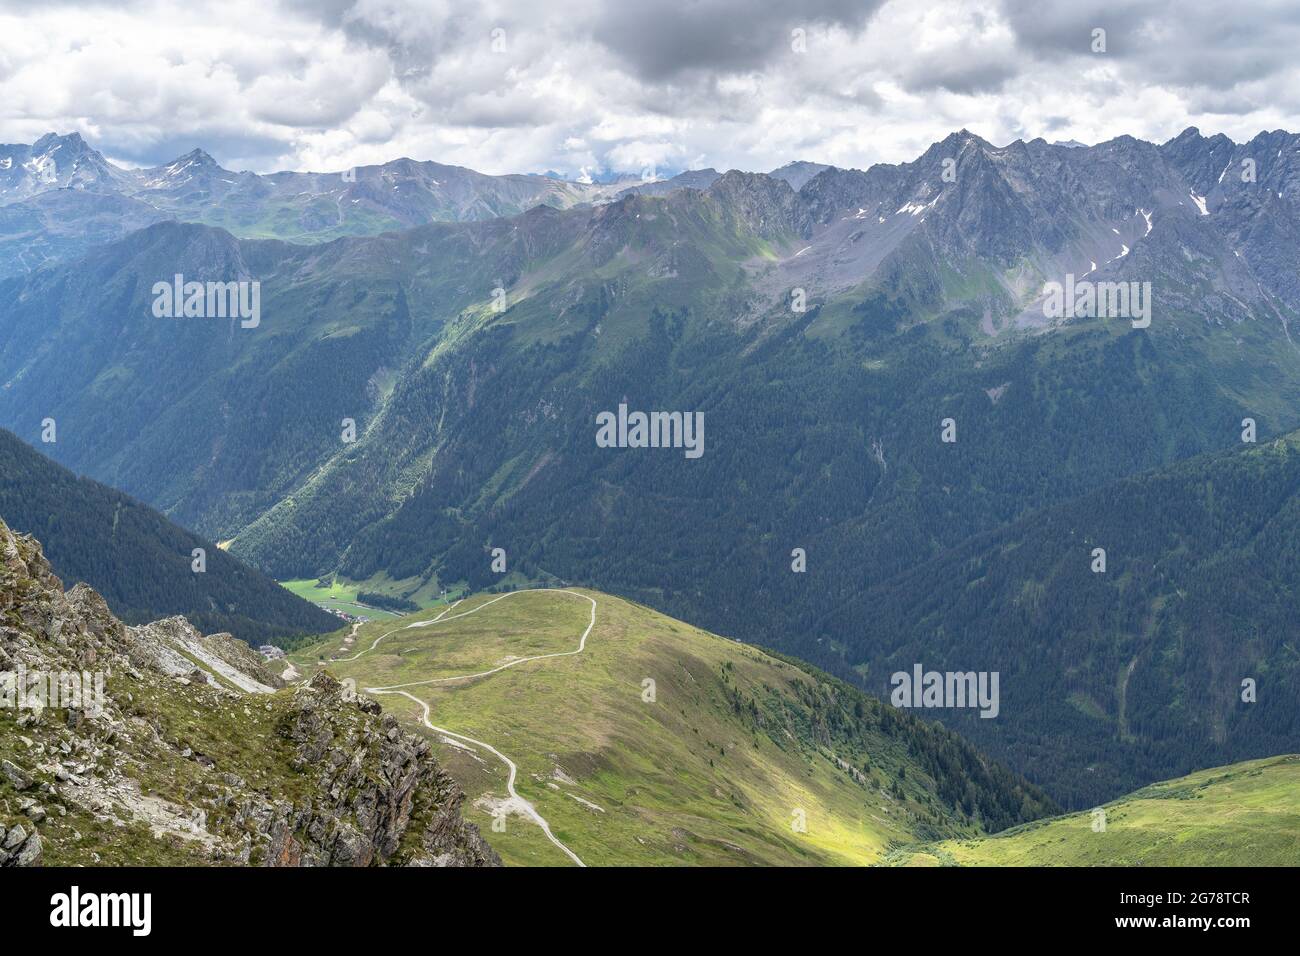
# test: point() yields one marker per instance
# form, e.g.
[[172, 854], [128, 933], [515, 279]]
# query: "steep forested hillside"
[[138, 560], [1109, 678]]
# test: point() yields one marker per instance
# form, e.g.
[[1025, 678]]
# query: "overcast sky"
[[594, 85]]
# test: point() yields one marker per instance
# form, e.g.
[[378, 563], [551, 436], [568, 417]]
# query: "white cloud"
[[599, 84]]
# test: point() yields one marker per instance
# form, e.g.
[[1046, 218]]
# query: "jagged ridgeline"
[[81, 198], [139, 561], [165, 747]]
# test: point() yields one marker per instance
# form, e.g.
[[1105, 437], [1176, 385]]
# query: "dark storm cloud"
[[413, 34], [1064, 27], [1179, 42], [658, 41], [1193, 43]]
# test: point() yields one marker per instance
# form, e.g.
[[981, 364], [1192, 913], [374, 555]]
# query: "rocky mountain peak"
[[70, 141], [798, 172], [198, 157], [769, 206], [54, 161]]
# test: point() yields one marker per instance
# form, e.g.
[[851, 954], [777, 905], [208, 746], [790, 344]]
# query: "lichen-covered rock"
[[17, 777], [29, 854]]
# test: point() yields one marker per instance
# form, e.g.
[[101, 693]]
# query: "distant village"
[[272, 653], [350, 618]]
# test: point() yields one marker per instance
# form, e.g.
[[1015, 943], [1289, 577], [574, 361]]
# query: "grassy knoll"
[[716, 769], [1246, 814]]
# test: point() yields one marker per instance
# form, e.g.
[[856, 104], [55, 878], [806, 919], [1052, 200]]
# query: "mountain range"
[[833, 326], [59, 197]]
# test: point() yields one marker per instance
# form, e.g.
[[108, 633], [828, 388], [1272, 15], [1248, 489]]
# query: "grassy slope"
[[343, 594], [686, 779], [1241, 815], [338, 596]]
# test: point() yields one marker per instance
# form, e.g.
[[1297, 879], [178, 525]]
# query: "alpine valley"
[[914, 459]]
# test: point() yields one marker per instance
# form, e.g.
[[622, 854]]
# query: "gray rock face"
[[20, 846], [382, 793], [29, 854], [365, 792], [767, 206], [14, 838], [18, 778]]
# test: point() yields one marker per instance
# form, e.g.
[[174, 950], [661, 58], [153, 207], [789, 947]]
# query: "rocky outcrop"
[[383, 793], [174, 647], [196, 753], [767, 206], [19, 846]]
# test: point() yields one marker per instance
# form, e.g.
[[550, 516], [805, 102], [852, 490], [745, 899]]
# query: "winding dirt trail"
[[519, 801], [582, 642], [528, 809], [405, 627]]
